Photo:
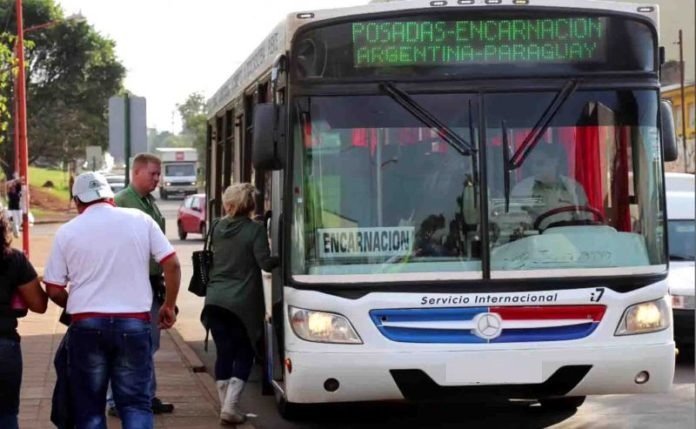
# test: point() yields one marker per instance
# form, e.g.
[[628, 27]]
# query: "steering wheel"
[[588, 209]]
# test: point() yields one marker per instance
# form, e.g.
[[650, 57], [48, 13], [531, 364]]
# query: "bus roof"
[[257, 66]]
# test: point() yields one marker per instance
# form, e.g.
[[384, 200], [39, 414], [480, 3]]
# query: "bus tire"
[[289, 410], [564, 403]]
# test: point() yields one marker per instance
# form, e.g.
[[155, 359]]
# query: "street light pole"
[[22, 127], [683, 99]]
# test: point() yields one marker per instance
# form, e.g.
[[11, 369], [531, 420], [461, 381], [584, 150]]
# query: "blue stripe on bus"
[[425, 314]]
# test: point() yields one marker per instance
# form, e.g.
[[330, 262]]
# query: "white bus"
[[466, 195]]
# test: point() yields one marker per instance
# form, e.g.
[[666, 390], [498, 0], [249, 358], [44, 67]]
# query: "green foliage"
[[72, 72], [7, 66], [194, 121]]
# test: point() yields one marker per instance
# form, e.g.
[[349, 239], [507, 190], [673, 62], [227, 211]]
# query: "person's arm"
[[262, 253], [56, 274], [29, 288], [172, 280], [35, 297], [57, 293], [163, 252]]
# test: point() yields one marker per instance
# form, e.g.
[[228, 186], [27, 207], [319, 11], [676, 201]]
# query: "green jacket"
[[129, 198], [240, 252]]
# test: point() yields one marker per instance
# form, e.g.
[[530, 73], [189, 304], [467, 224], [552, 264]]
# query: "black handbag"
[[202, 263]]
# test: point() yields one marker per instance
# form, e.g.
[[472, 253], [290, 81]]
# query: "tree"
[[72, 72], [194, 121], [7, 66]]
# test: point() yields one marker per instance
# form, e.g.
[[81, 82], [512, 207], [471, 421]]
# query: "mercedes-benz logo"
[[488, 326]]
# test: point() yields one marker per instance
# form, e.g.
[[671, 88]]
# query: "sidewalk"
[[193, 393]]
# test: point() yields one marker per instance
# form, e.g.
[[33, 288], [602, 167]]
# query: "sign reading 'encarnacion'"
[[357, 242]]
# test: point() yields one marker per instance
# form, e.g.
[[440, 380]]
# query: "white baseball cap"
[[91, 186]]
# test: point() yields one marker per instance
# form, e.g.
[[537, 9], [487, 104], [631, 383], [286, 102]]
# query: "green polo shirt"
[[131, 199]]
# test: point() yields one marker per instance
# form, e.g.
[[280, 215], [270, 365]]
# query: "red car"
[[191, 216]]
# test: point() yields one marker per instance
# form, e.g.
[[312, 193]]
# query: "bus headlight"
[[322, 327], [683, 302], [193, 183], [645, 317]]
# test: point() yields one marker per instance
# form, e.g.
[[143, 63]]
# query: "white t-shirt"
[[104, 255]]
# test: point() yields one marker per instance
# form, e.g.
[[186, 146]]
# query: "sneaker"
[[159, 407], [112, 411]]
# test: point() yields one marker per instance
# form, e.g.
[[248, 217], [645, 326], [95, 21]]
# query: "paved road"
[[673, 410]]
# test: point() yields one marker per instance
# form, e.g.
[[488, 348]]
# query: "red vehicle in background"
[[190, 217]]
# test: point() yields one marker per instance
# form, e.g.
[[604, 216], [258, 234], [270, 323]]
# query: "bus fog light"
[[322, 327], [642, 377], [645, 317], [331, 385]]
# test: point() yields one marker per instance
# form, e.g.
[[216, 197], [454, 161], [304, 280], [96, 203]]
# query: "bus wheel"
[[565, 403]]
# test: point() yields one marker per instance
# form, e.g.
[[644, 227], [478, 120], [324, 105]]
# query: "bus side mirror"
[[268, 137], [669, 138]]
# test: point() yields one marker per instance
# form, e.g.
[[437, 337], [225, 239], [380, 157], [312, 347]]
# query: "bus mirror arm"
[[669, 138], [279, 67]]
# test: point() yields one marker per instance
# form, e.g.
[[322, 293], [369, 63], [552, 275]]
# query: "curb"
[[205, 380], [191, 359], [193, 362]]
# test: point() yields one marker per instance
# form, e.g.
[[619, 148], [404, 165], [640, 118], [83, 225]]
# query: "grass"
[[39, 176]]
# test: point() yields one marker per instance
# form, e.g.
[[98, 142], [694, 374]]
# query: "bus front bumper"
[[458, 375]]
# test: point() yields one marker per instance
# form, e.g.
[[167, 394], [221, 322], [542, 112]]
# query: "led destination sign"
[[505, 41]]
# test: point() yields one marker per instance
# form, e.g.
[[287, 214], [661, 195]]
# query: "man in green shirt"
[[147, 169]]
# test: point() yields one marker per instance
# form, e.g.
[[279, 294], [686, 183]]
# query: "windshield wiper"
[[419, 112], [506, 164], [541, 126], [680, 258]]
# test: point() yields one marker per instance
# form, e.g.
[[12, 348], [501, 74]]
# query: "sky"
[[172, 48]]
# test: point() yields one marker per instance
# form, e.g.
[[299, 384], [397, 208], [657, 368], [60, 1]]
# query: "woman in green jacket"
[[234, 305]]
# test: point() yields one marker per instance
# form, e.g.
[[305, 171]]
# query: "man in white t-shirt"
[[103, 255]]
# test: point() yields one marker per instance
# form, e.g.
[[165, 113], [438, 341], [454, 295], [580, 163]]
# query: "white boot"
[[222, 389], [230, 413]]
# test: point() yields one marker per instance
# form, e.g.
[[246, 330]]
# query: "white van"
[[682, 251]]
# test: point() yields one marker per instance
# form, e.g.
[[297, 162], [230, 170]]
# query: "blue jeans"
[[10, 382], [116, 349], [155, 336]]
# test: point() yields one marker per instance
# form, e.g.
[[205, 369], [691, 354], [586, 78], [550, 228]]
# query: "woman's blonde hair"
[[239, 199]]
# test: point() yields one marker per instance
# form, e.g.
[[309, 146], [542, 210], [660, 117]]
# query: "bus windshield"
[[587, 196], [381, 192], [180, 170], [377, 193]]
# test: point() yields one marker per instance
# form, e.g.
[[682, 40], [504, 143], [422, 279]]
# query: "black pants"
[[235, 354], [10, 381]]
